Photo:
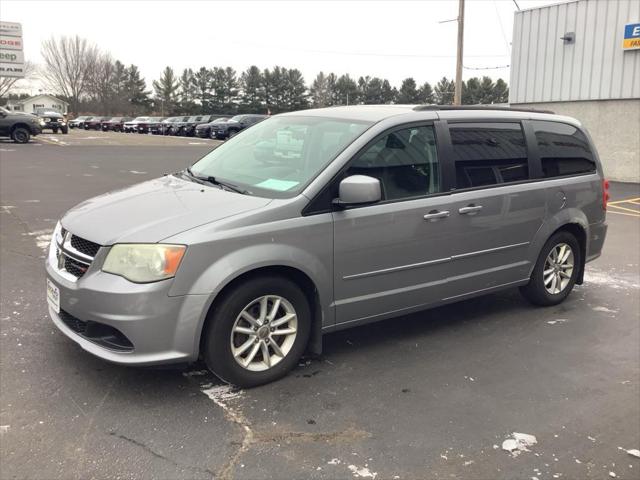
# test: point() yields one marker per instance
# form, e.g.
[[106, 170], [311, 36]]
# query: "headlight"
[[42, 122], [142, 263], [63, 123]]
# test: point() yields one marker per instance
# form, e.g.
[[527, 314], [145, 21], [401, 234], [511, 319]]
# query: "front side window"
[[405, 161], [488, 154], [279, 157], [564, 149]]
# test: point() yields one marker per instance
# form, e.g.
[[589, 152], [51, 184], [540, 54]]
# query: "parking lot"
[[431, 395]]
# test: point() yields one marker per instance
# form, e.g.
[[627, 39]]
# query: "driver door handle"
[[434, 215], [470, 209]]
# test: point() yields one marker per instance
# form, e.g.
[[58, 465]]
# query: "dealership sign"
[[631, 36], [11, 54]]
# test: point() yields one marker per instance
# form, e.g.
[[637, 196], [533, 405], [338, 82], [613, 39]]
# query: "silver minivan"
[[315, 221]]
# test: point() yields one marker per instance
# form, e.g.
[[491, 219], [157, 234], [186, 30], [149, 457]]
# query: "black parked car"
[[78, 122], [52, 120], [114, 124], [204, 129], [162, 128], [234, 125], [144, 126], [94, 123], [19, 126], [188, 128]]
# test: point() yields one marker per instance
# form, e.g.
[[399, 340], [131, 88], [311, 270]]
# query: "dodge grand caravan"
[[315, 221]]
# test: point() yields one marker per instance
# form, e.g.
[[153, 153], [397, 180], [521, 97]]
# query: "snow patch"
[[362, 472], [334, 461], [604, 309], [519, 443], [4, 429], [605, 279], [559, 320], [135, 172], [634, 452]]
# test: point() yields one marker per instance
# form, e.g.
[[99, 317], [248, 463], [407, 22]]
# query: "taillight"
[[605, 194]]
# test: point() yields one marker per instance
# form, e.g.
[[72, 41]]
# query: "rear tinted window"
[[488, 154], [564, 149]]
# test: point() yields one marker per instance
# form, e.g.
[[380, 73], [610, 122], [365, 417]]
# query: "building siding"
[[595, 67]]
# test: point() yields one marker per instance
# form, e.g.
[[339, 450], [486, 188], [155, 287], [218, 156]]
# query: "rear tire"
[[65, 130], [55, 130], [21, 135], [239, 357], [555, 272]]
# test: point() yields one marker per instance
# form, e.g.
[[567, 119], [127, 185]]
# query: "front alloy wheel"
[[264, 333], [257, 331]]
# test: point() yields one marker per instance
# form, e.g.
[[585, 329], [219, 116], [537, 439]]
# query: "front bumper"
[[161, 328]]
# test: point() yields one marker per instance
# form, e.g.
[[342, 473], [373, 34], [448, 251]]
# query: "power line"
[[517, 6], [486, 68]]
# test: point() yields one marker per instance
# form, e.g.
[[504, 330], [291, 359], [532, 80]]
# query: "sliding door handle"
[[436, 215], [470, 209]]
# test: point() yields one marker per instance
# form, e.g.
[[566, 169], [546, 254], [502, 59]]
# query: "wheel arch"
[[301, 278], [20, 125], [570, 220]]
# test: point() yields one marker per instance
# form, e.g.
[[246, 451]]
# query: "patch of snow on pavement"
[[334, 461], [634, 452], [605, 279], [519, 443], [4, 428], [559, 320], [362, 472], [604, 309], [135, 172]]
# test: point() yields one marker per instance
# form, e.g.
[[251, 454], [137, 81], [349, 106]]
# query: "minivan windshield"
[[278, 157]]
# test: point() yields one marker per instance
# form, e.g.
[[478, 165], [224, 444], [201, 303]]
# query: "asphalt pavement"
[[431, 395]]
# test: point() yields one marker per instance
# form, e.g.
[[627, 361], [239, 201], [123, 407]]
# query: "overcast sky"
[[388, 39]]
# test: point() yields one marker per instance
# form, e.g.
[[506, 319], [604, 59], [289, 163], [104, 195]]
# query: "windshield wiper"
[[213, 181]]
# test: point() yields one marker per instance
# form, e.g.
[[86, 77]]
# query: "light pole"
[[457, 96]]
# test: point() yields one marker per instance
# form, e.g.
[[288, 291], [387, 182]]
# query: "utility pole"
[[457, 96]]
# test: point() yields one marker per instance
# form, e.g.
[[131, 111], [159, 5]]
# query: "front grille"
[[84, 246], [98, 333], [74, 267], [74, 254]]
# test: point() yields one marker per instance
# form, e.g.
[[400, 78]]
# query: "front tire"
[[555, 272], [257, 332], [21, 135]]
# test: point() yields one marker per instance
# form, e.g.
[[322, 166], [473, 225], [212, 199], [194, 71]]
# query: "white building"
[[582, 59], [31, 104]]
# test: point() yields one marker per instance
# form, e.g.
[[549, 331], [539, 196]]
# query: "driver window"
[[405, 161]]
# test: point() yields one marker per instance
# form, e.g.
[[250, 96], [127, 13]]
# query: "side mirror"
[[358, 190]]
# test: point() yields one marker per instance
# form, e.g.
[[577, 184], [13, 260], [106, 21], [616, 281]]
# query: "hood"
[[154, 210], [23, 114]]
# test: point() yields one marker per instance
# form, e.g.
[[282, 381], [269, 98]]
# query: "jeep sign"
[[11, 54]]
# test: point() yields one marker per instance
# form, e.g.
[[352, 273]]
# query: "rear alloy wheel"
[[21, 135], [257, 332], [555, 272]]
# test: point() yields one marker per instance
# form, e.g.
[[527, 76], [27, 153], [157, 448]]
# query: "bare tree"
[[68, 66], [7, 83], [100, 85]]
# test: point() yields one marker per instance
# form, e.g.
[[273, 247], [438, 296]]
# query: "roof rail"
[[422, 108]]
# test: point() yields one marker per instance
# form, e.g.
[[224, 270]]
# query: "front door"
[[393, 255]]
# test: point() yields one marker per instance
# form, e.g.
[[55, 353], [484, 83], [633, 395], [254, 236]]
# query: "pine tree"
[[426, 95], [296, 96], [346, 91], [136, 93], [408, 93], [187, 92], [500, 92], [166, 92], [225, 87], [202, 81], [486, 91], [471, 92], [252, 90], [321, 95], [443, 92]]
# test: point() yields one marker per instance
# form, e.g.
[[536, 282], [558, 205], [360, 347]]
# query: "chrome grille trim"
[[63, 253]]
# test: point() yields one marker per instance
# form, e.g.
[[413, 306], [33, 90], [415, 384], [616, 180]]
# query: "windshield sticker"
[[275, 184]]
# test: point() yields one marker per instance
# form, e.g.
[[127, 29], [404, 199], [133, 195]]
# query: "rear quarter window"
[[564, 149], [488, 154]]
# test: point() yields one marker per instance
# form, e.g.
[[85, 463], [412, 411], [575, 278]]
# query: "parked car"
[[204, 129], [234, 125], [95, 123], [144, 126], [189, 127], [78, 122], [114, 124], [19, 126], [315, 221], [162, 128], [132, 125], [52, 120]]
